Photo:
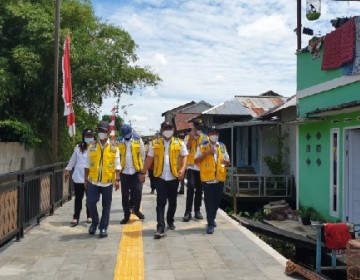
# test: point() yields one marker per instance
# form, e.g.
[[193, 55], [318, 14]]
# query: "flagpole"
[[56, 81]]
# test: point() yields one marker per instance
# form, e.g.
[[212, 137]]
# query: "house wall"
[[267, 147], [317, 89]]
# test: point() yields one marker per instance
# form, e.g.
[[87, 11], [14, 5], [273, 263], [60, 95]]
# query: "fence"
[[28, 195]]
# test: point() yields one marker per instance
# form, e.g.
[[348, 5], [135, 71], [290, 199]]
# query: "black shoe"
[[92, 229], [171, 226], [198, 215], [159, 234], [152, 192], [103, 233], [139, 215], [210, 229], [187, 217], [124, 221]]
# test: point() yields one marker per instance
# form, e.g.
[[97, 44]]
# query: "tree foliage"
[[103, 62]]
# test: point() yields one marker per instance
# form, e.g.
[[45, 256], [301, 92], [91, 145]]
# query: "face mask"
[[127, 139], [168, 133], [89, 140], [198, 132], [214, 138], [102, 136]]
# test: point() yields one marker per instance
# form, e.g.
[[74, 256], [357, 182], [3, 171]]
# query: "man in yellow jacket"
[[102, 169], [169, 155], [132, 156], [212, 159]]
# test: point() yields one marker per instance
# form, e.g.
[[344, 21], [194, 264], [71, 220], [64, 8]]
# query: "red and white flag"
[[112, 124], [67, 88]]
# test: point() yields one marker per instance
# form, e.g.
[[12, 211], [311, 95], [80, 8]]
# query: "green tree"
[[103, 62]]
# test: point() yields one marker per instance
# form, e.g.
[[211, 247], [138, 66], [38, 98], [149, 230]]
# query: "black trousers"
[[79, 195], [194, 190], [166, 191], [151, 177], [131, 189], [212, 200]]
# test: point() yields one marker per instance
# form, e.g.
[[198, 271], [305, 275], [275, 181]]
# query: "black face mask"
[[127, 139]]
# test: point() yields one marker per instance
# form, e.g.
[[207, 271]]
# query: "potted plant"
[[305, 216]]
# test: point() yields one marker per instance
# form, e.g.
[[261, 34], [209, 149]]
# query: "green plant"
[[276, 163], [15, 131]]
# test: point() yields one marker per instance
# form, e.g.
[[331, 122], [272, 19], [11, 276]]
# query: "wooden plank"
[[275, 232]]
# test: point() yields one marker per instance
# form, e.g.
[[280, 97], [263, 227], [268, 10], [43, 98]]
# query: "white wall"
[[14, 157]]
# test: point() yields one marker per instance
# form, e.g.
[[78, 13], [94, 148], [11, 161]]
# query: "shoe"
[[210, 229], [198, 215], [89, 220], [74, 222], [171, 226], [152, 192], [158, 234], [139, 215], [103, 233], [187, 217], [92, 229], [124, 221]]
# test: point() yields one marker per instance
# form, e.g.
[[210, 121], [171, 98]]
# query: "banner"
[[67, 88]]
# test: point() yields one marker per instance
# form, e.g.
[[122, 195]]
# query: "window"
[[334, 172]]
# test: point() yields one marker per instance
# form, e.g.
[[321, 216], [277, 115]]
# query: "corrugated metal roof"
[[291, 101], [246, 105]]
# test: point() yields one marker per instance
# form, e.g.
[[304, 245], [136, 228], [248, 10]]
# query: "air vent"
[[347, 119]]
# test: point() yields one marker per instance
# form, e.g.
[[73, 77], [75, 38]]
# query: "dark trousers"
[[194, 191], [151, 177], [165, 191], [93, 196], [212, 199], [131, 190], [79, 195]]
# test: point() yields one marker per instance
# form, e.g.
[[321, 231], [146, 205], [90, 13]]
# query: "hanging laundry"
[[339, 46], [313, 9], [353, 67]]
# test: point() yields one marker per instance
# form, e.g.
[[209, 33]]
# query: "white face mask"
[[214, 138], [168, 133], [198, 132], [89, 140], [102, 136]]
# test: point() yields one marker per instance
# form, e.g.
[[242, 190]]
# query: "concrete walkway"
[[54, 250]]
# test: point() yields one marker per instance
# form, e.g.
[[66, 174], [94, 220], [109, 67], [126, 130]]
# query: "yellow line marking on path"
[[130, 258]]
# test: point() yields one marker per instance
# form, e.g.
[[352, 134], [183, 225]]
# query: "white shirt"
[[77, 160], [129, 164], [212, 145], [117, 163], [192, 166], [166, 173]]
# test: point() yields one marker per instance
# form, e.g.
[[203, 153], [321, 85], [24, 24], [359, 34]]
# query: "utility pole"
[[54, 138], [298, 26]]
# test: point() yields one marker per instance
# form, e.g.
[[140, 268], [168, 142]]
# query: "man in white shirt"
[[102, 168], [132, 154], [169, 155]]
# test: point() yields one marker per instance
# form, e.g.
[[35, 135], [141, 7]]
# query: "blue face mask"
[[88, 140]]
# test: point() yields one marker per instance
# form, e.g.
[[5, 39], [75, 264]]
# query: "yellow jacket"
[[209, 169], [190, 159], [174, 155], [135, 152], [105, 174]]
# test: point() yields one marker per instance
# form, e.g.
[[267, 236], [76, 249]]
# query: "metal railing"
[[254, 185], [28, 195]]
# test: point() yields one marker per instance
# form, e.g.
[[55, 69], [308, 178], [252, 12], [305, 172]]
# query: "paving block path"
[[54, 250]]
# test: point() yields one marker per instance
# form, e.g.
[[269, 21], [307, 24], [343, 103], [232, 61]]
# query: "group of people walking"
[[101, 165]]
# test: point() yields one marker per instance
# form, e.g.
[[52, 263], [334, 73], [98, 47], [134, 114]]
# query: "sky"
[[211, 50]]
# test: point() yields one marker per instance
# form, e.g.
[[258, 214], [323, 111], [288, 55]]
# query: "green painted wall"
[[314, 179], [309, 71]]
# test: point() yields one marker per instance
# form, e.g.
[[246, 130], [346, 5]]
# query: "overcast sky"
[[212, 50]]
